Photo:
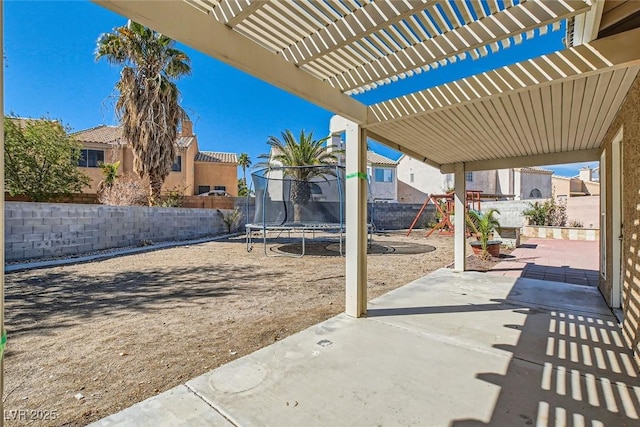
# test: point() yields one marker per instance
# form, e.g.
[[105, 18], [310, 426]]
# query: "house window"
[[177, 164], [203, 189], [411, 178], [535, 194], [90, 158], [384, 175], [468, 176], [219, 188]]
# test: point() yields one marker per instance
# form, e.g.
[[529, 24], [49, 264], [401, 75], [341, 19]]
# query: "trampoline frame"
[[300, 227]]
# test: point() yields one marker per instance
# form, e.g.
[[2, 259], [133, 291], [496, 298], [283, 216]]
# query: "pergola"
[[547, 110]]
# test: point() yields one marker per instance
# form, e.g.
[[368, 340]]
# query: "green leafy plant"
[[244, 161], [173, 199], [576, 224], [485, 224], [110, 172], [242, 188], [231, 218], [41, 159], [547, 213]]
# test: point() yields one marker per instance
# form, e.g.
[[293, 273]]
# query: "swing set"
[[445, 208]]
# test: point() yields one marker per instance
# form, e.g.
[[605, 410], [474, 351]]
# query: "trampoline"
[[300, 202]]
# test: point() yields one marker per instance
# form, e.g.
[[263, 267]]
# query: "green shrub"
[[547, 213]]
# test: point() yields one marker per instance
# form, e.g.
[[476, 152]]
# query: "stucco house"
[[383, 180], [416, 180], [381, 172], [585, 184], [194, 172]]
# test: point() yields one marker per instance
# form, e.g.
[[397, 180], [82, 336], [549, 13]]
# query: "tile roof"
[[101, 134], [377, 159], [113, 135], [536, 170], [185, 141], [212, 156]]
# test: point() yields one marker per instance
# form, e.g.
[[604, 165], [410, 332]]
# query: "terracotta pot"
[[493, 247]]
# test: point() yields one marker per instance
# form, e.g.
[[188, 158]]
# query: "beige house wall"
[[215, 174], [561, 186], [627, 119], [186, 181], [182, 181], [530, 180], [111, 155]]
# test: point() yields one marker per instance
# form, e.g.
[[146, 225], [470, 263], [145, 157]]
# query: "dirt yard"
[[88, 340]]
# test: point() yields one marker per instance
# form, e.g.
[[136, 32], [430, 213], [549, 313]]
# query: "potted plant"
[[485, 223]]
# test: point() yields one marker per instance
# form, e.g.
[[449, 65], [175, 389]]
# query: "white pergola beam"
[[385, 141], [524, 161], [245, 13], [587, 25], [194, 28], [477, 34], [363, 21], [617, 51]]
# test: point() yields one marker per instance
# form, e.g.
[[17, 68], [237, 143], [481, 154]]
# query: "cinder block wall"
[[510, 211], [34, 230], [398, 216]]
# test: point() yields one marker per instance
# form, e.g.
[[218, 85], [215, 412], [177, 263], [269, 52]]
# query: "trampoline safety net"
[[309, 196]]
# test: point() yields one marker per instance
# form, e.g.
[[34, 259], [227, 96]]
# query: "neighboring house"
[[381, 171], [417, 180], [383, 181], [585, 184], [194, 172]]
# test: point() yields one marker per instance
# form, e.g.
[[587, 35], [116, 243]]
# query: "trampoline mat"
[[333, 248]]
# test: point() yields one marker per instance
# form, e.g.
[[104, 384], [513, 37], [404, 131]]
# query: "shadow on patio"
[[450, 349]]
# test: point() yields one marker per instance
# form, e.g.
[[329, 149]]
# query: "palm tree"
[[244, 162], [485, 223], [295, 154], [110, 172], [148, 102]]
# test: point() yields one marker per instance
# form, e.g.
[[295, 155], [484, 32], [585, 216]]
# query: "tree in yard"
[[243, 190], [41, 159], [244, 162], [297, 153], [147, 104], [110, 172]]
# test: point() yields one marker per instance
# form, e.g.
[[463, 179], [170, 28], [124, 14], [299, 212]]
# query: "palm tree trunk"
[[297, 212], [155, 188]]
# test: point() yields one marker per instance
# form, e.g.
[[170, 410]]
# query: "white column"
[[460, 244], [356, 220]]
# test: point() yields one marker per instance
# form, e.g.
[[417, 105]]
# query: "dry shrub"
[[125, 191]]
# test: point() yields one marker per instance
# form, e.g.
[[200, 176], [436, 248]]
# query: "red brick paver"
[[568, 261]]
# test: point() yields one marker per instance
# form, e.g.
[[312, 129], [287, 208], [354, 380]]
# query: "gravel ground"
[[88, 340]]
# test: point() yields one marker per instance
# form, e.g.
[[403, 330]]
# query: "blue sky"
[[50, 70]]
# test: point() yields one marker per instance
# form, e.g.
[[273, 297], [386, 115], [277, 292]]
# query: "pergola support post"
[[356, 220], [460, 244]]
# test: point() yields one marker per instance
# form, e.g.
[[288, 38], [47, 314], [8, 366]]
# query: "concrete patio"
[[450, 349]]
